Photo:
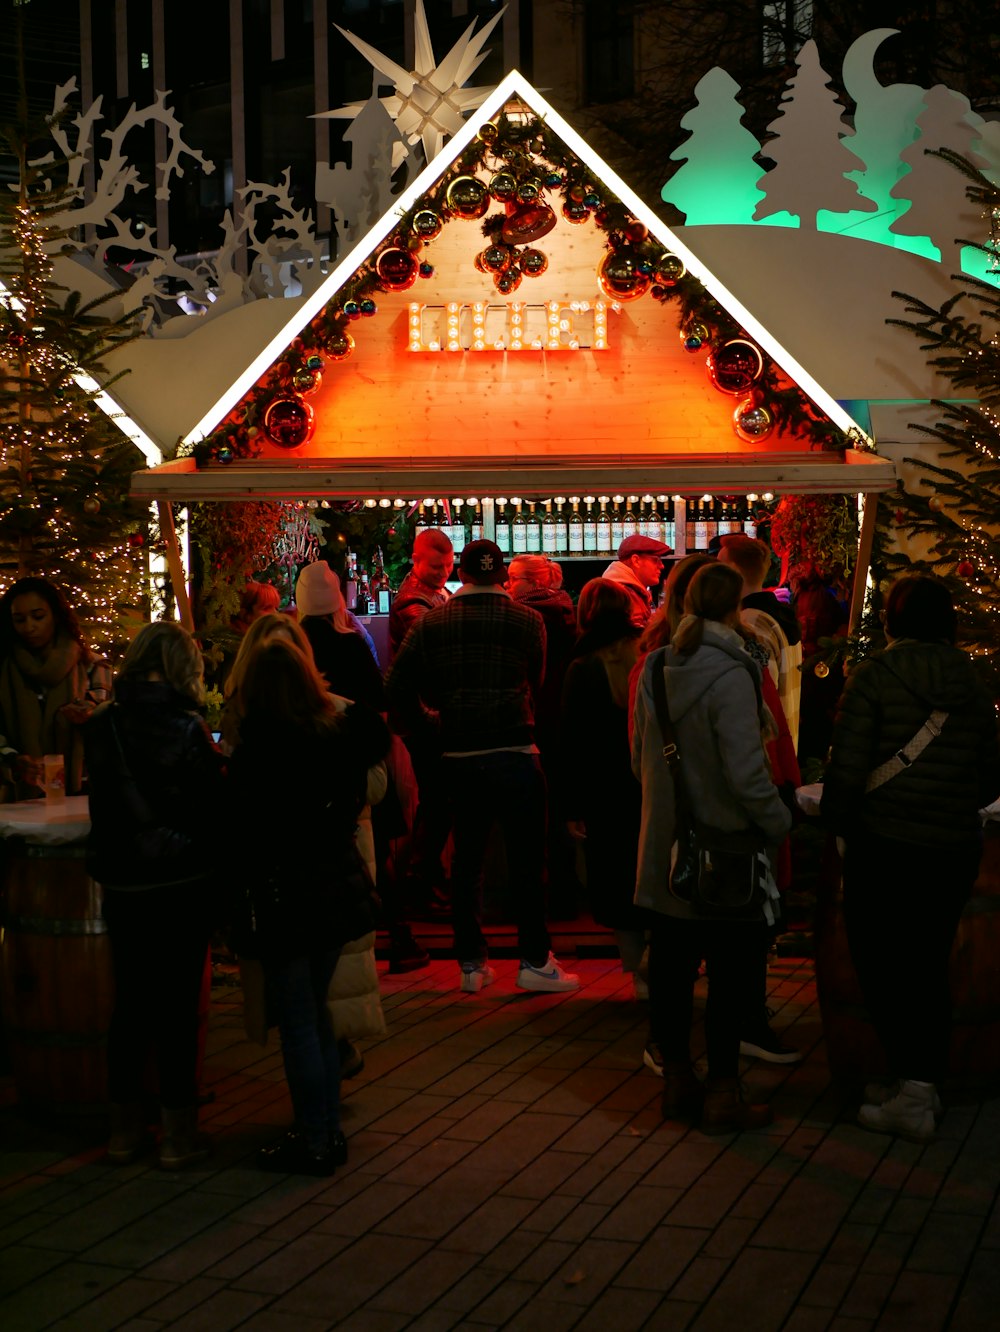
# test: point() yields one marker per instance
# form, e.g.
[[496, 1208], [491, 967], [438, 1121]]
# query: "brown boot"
[[129, 1137], [726, 1110], [181, 1144], [683, 1094]]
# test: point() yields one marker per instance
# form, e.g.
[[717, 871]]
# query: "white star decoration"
[[429, 101]]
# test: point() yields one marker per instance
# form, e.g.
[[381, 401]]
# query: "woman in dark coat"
[[156, 790], [912, 835], [603, 798], [310, 899]]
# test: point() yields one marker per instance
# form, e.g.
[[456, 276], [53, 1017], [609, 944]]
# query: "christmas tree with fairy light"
[[65, 467], [951, 520]]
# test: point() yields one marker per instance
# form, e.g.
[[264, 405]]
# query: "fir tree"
[[952, 520], [65, 467]]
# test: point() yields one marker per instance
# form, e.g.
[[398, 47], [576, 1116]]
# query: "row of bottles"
[[364, 595], [588, 525], [711, 517]]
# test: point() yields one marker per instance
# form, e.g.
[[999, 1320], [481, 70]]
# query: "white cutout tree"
[[718, 181], [936, 192], [808, 149]]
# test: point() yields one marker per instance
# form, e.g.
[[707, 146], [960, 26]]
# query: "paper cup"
[[54, 776]]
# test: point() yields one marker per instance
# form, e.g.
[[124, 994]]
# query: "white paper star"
[[429, 102]]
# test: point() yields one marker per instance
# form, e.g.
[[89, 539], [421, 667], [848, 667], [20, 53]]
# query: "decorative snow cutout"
[[361, 193], [939, 208], [808, 149], [429, 103], [885, 119], [718, 181]]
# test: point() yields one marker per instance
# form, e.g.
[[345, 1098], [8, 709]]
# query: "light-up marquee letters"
[[514, 327]]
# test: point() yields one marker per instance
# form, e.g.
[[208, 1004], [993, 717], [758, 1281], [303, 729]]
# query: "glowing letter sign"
[[513, 327]]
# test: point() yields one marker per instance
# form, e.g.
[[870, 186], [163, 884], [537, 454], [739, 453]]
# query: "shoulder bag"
[[719, 875]]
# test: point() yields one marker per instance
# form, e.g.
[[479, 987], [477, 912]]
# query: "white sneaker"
[[909, 1114], [476, 976], [877, 1093], [549, 976]]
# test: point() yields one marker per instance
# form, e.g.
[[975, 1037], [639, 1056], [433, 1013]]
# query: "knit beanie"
[[317, 590]]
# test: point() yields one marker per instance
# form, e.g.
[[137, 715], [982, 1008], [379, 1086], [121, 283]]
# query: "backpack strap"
[[903, 758]]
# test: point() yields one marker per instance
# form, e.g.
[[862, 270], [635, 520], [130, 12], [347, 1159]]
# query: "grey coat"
[[714, 705]]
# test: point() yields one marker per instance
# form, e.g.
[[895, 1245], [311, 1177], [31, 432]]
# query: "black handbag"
[[719, 875]]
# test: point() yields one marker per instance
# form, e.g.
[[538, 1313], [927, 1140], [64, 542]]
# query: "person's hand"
[[77, 712], [30, 771], [577, 829]]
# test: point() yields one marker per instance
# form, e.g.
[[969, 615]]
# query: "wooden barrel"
[[57, 986], [853, 1050]]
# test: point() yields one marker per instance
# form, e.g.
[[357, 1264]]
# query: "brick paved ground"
[[509, 1169]]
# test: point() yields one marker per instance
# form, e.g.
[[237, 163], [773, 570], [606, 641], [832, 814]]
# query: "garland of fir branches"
[[531, 151]]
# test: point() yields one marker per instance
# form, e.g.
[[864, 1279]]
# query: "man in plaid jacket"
[[469, 670]]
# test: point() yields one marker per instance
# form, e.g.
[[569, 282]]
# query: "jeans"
[[507, 788], [902, 905], [159, 937], [297, 991], [735, 954]]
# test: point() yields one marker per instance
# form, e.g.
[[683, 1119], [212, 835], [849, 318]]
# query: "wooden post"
[[174, 563], [864, 560]]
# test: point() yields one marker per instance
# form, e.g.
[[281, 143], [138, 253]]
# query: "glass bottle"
[[589, 527], [700, 525], [630, 523], [550, 536], [501, 525], [364, 594], [519, 530], [617, 521], [562, 525], [654, 521], [575, 540], [534, 529], [604, 528], [476, 529], [351, 585], [456, 528], [381, 590], [666, 504], [711, 520]]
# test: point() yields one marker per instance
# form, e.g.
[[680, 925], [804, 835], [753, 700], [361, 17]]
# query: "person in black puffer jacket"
[[306, 902], [156, 786], [912, 841]]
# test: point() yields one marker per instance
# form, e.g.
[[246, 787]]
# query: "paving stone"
[[545, 1175], [728, 1238], [182, 1299], [809, 1211], [757, 1293], [545, 1314], [225, 1310], [269, 1320], [579, 1223], [61, 1290], [919, 1302], [367, 1209], [353, 1276], [528, 1258], [979, 1296], [131, 1296], [946, 1243], [828, 1286], [638, 1214], [699, 1279], [504, 1301], [807, 1320], [492, 1221], [20, 1265], [170, 1225], [623, 1310], [424, 1282], [908, 1215]]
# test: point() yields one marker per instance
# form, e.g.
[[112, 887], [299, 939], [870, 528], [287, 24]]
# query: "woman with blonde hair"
[[262, 630], [307, 905], [714, 704], [156, 791]]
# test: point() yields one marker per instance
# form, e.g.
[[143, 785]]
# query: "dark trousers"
[[432, 820], [734, 953], [508, 789], [158, 941], [902, 904], [297, 990]]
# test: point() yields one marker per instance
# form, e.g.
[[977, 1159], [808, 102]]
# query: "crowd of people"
[[660, 743]]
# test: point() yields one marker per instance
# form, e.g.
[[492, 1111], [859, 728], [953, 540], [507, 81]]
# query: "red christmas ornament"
[[339, 346], [899, 516], [965, 569], [288, 422], [735, 366], [396, 269], [528, 223], [136, 539], [621, 276]]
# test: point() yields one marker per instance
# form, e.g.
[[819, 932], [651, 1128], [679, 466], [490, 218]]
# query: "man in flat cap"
[[639, 569]]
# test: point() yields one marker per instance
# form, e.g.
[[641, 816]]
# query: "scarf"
[[33, 689]]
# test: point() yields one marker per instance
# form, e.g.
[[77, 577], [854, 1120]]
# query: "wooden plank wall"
[[646, 393]]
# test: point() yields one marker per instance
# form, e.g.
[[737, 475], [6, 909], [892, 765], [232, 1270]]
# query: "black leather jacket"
[[156, 788]]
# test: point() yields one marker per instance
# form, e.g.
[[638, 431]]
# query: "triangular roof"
[[514, 88]]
